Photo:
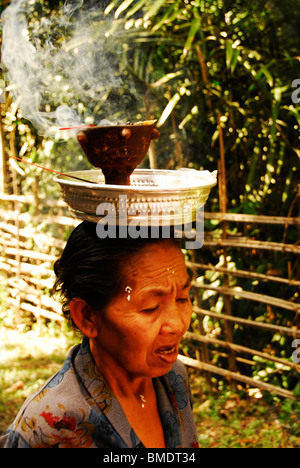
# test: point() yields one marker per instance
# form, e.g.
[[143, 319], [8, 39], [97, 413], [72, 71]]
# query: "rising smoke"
[[64, 69]]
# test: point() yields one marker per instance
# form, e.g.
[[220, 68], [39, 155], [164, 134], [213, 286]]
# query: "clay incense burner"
[[117, 149]]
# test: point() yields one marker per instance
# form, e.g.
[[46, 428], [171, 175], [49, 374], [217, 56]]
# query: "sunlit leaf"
[[229, 50], [124, 5], [166, 78], [135, 8], [154, 8], [264, 70], [232, 55], [191, 36], [234, 59], [168, 17], [172, 103], [111, 6]]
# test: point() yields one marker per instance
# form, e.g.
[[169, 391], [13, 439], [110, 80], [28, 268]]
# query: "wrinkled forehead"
[[159, 264]]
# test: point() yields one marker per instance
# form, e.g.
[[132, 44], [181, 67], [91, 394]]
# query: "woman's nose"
[[174, 320]]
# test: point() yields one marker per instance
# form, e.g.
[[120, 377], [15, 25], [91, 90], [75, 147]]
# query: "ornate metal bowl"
[[155, 197]]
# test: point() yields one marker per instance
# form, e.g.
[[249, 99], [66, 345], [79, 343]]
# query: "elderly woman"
[[123, 386]]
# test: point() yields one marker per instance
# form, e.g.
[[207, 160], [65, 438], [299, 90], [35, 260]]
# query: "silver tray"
[[155, 197]]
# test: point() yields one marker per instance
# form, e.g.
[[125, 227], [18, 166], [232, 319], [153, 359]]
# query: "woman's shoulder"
[[179, 368], [57, 383], [47, 410]]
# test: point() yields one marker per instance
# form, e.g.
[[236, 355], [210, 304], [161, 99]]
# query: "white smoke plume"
[[63, 69]]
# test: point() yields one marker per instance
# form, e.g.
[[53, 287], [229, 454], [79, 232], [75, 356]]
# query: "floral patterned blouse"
[[76, 408]]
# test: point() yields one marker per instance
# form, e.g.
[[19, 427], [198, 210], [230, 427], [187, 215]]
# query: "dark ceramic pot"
[[117, 150]]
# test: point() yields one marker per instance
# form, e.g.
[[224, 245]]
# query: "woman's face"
[[140, 330]]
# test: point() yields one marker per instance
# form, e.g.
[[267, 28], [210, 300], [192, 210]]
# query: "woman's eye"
[[182, 300], [151, 309]]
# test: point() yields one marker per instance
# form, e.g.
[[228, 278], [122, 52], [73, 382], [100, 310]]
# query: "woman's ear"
[[84, 317]]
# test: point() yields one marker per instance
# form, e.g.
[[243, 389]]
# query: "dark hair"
[[91, 268]]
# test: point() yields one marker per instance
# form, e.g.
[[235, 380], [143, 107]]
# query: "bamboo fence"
[[206, 344], [32, 237], [28, 253]]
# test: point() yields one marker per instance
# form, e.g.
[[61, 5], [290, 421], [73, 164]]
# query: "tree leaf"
[[154, 9], [135, 8], [228, 48], [168, 17], [168, 109], [166, 78], [234, 59], [265, 71], [196, 23], [110, 7], [124, 5], [232, 55]]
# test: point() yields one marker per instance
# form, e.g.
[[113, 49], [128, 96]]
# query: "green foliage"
[[191, 65], [201, 60]]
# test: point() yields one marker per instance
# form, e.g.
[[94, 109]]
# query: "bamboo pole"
[[240, 294], [3, 167], [244, 274], [223, 208], [240, 349], [203, 355], [26, 268], [38, 312], [259, 219], [203, 68], [61, 220], [222, 173], [235, 376], [32, 295], [247, 322], [31, 254], [244, 243], [29, 199]]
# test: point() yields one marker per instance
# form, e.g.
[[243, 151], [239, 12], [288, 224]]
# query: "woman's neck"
[[123, 384], [137, 397]]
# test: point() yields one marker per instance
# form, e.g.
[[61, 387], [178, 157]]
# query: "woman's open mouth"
[[167, 350], [167, 354]]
